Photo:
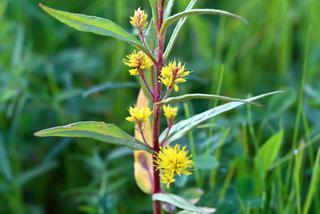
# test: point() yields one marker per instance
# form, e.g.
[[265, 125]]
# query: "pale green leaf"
[[100, 131], [172, 19], [185, 97], [153, 5], [268, 153], [181, 128], [177, 29], [96, 25], [180, 202]]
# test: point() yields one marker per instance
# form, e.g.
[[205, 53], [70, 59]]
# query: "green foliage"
[[181, 128], [195, 12], [45, 69], [95, 25], [180, 202], [101, 131]]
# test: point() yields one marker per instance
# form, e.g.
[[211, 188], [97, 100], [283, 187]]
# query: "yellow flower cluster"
[[138, 61], [170, 113], [139, 19], [173, 161], [173, 74], [138, 115]]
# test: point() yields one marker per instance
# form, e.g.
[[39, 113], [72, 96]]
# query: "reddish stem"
[[157, 108]]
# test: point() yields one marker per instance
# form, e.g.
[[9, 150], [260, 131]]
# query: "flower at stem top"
[[138, 61], [170, 113], [171, 161], [173, 74], [139, 19], [138, 115]]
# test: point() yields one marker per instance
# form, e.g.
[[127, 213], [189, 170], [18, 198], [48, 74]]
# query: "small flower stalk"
[[169, 162]]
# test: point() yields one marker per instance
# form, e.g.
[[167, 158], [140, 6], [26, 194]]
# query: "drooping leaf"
[[185, 97], [268, 153], [100, 131], [177, 29], [143, 167], [181, 128], [179, 202], [96, 25], [172, 19]]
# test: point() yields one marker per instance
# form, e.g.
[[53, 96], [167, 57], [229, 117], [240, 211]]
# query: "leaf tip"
[[37, 134]]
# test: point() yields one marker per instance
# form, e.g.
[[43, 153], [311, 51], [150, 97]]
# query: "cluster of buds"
[[170, 114], [139, 20], [173, 74], [138, 61], [138, 115], [173, 161]]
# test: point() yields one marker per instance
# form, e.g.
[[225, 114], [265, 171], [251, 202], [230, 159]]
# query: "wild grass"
[[256, 160]]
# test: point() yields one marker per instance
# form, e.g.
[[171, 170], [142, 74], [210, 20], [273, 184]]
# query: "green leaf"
[[181, 128], [153, 5], [185, 97], [100, 131], [177, 30], [193, 195], [96, 25], [179, 202], [172, 19], [37, 171], [5, 167], [268, 153], [168, 9]]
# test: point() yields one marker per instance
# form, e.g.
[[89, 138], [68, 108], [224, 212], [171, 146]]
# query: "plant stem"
[[157, 108]]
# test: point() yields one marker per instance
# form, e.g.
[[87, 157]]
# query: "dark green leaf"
[[96, 25], [101, 131]]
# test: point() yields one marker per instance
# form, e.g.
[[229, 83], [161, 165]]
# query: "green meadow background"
[[251, 160]]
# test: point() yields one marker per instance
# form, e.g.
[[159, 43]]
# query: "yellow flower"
[[138, 61], [173, 74], [170, 112], [171, 161], [138, 115], [140, 19]]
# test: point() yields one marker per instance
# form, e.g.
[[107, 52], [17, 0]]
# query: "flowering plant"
[[156, 159]]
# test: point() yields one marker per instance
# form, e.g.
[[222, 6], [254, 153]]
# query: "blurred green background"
[[52, 75]]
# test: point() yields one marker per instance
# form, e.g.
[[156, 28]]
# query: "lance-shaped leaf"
[[172, 19], [96, 25], [177, 29], [180, 202], [153, 5], [185, 97], [100, 131], [181, 128]]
